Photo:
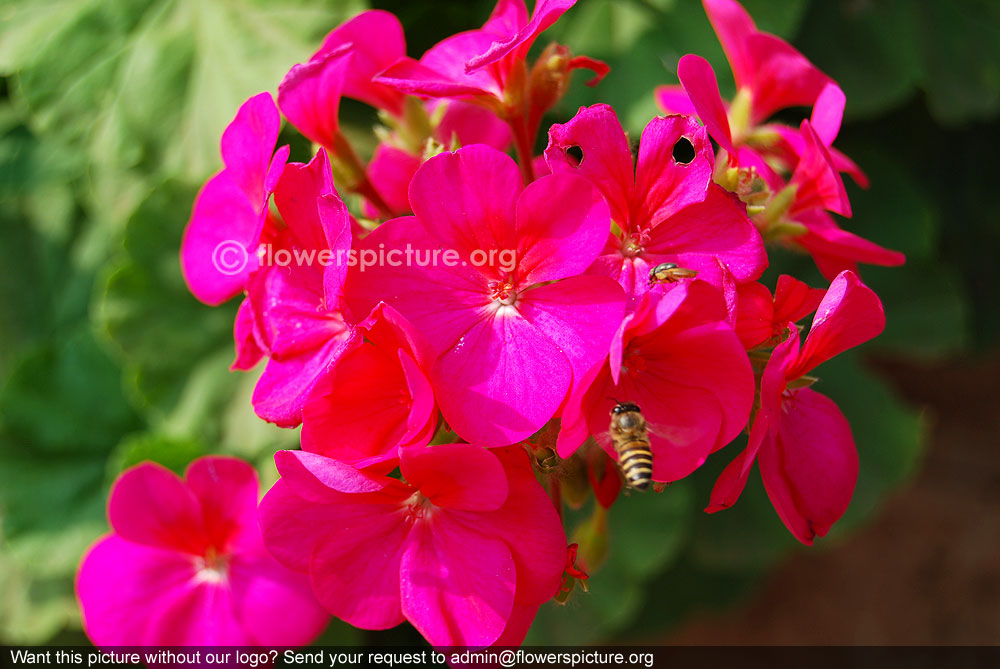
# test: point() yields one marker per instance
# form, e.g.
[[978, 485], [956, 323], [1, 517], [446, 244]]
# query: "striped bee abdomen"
[[636, 460]]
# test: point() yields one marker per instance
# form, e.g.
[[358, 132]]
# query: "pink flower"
[[478, 65], [667, 210], [769, 72], [488, 67], [185, 565], [799, 437], [815, 185], [377, 393], [676, 358], [509, 321], [220, 241], [465, 546]]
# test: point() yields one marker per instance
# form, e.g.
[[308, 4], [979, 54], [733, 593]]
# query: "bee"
[[630, 436], [668, 272]]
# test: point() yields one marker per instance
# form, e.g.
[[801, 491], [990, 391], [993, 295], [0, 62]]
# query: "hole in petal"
[[575, 155], [683, 151]]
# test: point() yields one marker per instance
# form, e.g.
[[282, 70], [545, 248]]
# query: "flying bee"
[[669, 272], [630, 436]]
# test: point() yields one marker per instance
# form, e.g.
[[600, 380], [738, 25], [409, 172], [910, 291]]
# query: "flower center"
[[503, 292], [211, 567], [633, 364], [418, 507], [632, 245]]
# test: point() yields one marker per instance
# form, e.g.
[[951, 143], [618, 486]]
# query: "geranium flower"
[[770, 74], [185, 565], [667, 209], [465, 546], [218, 252], [799, 437], [676, 358], [509, 321], [488, 67]]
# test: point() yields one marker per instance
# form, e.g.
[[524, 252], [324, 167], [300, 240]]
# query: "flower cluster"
[[448, 412]]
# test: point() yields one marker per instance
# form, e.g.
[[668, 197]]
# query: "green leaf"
[[66, 397], [149, 86], [161, 330], [173, 453]]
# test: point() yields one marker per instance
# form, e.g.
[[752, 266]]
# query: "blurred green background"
[[110, 114]]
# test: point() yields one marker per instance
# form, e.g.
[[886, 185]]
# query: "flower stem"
[[524, 143]]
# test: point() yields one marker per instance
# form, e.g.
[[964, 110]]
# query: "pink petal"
[[818, 181], [283, 388], [304, 339], [247, 144], [502, 380], [700, 84], [457, 585], [562, 225], [296, 194], [466, 199], [368, 377], [227, 489], [355, 571], [675, 100], [275, 606], [701, 235], [249, 350], [794, 300], [521, 618], [733, 479], [755, 314], [711, 357], [122, 585], [545, 14], [322, 480], [664, 186], [456, 476], [733, 26], [309, 95], [849, 315], [292, 526], [390, 171], [440, 300], [835, 249], [201, 613], [580, 315], [507, 17], [607, 160], [376, 41], [782, 77], [218, 251], [472, 125], [530, 526], [151, 505], [810, 471], [417, 78], [828, 112]]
